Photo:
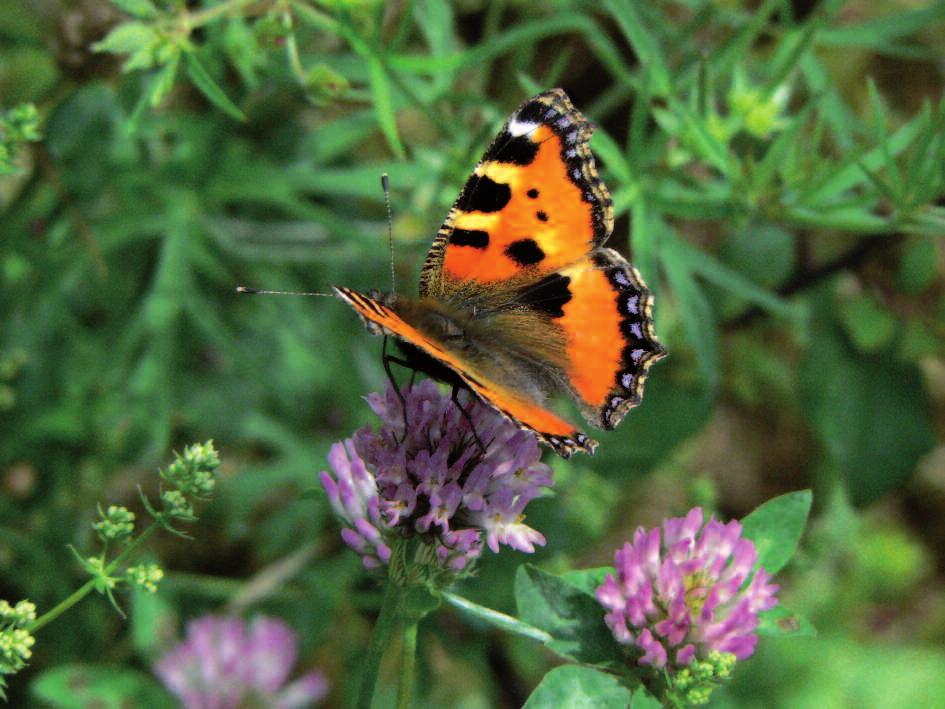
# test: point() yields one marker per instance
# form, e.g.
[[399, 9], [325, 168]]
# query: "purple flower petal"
[[435, 480], [223, 664], [685, 589]]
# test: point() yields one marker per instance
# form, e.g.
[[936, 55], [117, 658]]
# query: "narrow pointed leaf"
[[209, 88]]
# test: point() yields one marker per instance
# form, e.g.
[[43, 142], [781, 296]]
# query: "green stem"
[[390, 609], [408, 667], [89, 586], [291, 47]]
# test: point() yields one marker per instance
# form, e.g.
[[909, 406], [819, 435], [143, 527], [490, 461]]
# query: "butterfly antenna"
[[385, 185], [257, 291]]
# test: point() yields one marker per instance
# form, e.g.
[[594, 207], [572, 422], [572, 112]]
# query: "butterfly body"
[[519, 300]]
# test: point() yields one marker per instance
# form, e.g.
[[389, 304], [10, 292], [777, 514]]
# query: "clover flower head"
[[432, 478], [685, 591], [226, 663]]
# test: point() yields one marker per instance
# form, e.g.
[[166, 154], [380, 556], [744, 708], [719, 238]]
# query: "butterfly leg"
[[454, 397], [387, 359]]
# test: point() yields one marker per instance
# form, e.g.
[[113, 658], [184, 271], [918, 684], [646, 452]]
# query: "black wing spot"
[[525, 252], [516, 150], [470, 237], [542, 216], [549, 295], [532, 193], [483, 194]]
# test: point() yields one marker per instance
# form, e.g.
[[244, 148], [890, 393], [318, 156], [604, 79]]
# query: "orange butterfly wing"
[[533, 204], [554, 431], [610, 340]]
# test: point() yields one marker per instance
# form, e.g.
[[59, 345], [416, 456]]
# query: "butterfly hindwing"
[[533, 204], [610, 343]]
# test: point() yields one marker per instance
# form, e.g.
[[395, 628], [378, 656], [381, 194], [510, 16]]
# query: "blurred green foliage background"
[[778, 170]]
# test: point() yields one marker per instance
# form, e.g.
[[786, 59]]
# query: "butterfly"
[[519, 300]]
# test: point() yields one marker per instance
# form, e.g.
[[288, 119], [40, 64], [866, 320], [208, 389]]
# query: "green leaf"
[[126, 38], [573, 618], [779, 622], [80, 686], [882, 30], [696, 133], [773, 160], [588, 579], [695, 311], [870, 326], [642, 699], [928, 222], [384, 105], [612, 156], [882, 140], [850, 174], [644, 242], [704, 264], [918, 265], [644, 43], [854, 218], [573, 687], [142, 9], [503, 622], [435, 19], [789, 52], [736, 49], [712, 199], [760, 251], [209, 88], [152, 619], [870, 413], [163, 81], [776, 527]]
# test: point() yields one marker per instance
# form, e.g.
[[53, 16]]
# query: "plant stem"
[[89, 586], [408, 666], [386, 620]]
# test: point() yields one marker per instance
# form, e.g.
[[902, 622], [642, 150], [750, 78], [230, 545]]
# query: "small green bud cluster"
[[18, 126], [22, 613], [116, 525], [177, 506], [747, 108], [758, 111], [145, 576], [694, 684], [192, 473], [16, 641], [189, 478]]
